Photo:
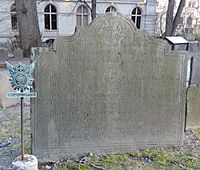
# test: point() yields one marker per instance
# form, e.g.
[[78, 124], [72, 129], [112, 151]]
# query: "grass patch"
[[151, 159], [11, 128], [75, 166]]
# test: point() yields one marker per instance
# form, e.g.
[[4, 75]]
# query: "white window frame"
[[110, 8], [136, 15], [13, 13], [50, 13], [82, 14]]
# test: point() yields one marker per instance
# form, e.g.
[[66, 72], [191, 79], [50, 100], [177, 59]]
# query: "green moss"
[[63, 168], [85, 168], [197, 133], [189, 160], [114, 161], [75, 166], [2, 133], [154, 158], [158, 158]]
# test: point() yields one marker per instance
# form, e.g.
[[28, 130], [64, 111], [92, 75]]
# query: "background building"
[[60, 17]]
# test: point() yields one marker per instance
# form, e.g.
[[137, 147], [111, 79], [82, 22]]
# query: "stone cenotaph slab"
[[107, 88]]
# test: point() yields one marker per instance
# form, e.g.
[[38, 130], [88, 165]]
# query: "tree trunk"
[[28, 25], [93, 12], [178, 16], [169, 17]]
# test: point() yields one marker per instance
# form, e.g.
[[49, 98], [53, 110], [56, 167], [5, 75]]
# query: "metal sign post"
[[21, 80], [22, 128]]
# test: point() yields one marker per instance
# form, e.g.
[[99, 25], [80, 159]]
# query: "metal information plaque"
[[19, 95], [21, 77], [21, 80]]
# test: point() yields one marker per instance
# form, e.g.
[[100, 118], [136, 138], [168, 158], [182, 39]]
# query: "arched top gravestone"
[[107, 88]]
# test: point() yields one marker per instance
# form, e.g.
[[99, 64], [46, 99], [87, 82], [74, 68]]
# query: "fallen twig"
[[3, 145], [96, 166]]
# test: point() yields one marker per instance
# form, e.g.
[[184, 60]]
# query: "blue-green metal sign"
[[21, 80]]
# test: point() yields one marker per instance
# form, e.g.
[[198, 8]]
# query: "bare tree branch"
[[83, 1], [171, 21], [177, 16], [169, 17]]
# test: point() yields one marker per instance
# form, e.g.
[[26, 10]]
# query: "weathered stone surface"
[[193, 116], [195, 79], [107, 88]]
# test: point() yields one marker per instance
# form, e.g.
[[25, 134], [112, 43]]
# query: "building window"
[[180, 21], [111, 9], [136, 17], [50, 17], [190, 4], [189, 21], [14, 17], [193, 4], [82, 16]]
